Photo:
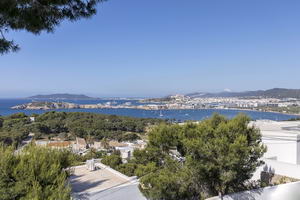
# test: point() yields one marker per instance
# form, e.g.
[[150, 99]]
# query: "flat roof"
[[279, 129], [130, 192], [104, 184]]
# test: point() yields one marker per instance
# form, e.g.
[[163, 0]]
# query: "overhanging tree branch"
[[36, 16]]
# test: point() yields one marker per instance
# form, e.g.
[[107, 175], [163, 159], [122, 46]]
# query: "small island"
[[46, 105]]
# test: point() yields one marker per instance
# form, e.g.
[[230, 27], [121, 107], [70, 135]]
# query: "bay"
[[179, 115]]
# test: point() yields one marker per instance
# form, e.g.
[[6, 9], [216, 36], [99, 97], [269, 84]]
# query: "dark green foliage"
[[224, 153], [163, 137], [293, 119], [92, 153], [113, 160], [149, 154], [36, 16], [76, 159], [17, 116], [14, 128], [144, 162], [97, 126], [7, 45], [128, 169], [90, 126], [129, 137], [170, 183], [220, 157], [142, 170], [36, 173], [1, 122]]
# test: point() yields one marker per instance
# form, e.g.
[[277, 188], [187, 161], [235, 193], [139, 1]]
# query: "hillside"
[[62, 96], [272, 93], [16, 127]]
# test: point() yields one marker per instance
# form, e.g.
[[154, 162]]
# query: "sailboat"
[[160, 114]]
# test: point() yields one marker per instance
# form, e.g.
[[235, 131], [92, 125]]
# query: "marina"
[[173, 114]]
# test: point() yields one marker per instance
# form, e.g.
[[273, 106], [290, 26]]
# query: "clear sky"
[[159, 47]]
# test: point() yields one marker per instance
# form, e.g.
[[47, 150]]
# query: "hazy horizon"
[[124, 96]]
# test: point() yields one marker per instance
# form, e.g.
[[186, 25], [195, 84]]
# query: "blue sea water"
[[180, 115]]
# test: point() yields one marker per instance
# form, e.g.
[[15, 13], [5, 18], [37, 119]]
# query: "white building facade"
[[282, 140]]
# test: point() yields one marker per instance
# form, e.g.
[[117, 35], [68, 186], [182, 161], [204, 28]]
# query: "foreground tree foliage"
[[34, 173], [218, 156], [36, 16], [14, 128]]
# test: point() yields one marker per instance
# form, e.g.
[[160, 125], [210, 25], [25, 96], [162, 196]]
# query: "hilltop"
[[278, 93], [62, 96]]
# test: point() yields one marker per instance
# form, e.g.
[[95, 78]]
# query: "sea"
[[177, 115]]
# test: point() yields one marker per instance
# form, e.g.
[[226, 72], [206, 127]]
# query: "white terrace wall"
[[279, 168], [282, 148], [289, 191]]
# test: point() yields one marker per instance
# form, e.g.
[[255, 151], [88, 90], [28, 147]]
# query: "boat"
[[160, 114]]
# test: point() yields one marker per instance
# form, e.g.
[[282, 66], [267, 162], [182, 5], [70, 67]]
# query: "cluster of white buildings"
[[80, 146], [234, 102], [185, 102]]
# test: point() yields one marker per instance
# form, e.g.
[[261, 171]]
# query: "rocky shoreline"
[[66, 105]]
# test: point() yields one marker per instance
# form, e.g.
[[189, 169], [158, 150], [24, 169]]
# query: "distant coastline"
[[64, 96], [276, 100], [66, 105]]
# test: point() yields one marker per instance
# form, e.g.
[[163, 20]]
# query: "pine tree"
[[36, 16], [35, 173], [220, 156]]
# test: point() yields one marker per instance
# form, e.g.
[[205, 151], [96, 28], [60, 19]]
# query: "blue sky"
[[160, 47]]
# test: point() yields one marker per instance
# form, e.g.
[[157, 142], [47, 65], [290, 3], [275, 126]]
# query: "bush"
[[35, 173], [128, 169], [113, 160]]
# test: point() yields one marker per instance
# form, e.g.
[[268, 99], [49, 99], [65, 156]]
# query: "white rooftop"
[[282, 139], [104, 183], [279, 129]]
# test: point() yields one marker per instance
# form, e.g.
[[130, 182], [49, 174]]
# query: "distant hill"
[[272, 93], [62, 96]]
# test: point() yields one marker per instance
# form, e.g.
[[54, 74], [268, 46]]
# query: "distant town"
[[274, 100]]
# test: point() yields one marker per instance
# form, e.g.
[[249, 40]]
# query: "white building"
[[126, 153], [282, 140]]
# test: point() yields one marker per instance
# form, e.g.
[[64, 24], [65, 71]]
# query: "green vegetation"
[[36, 16], [76, 159], [294, 119], [113, 160], [214, 157], [38, 172], [139, 166], [218, 156], [14, 128], [35, 173], [191, 161], [289, 109], [159, 100]]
